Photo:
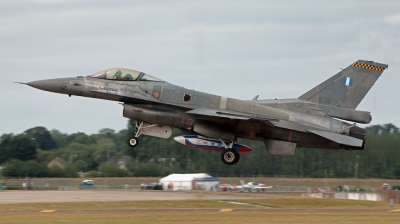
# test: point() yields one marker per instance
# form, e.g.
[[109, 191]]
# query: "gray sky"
[[239, 49]]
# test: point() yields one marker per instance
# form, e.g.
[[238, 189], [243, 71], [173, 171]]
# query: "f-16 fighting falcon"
[[215, 123]]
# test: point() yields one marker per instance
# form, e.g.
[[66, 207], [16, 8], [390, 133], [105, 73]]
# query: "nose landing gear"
[[134, 141]]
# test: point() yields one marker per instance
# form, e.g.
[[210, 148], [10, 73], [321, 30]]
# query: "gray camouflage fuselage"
[[309, 121]]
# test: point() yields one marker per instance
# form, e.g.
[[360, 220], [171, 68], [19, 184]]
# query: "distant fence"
[[314, 183], [381, 195], [71, 183], [386, 195], [281, 184]]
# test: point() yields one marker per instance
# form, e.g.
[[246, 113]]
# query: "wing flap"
[[338, 138]]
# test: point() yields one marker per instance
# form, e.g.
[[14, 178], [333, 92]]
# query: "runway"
[[8, 197]]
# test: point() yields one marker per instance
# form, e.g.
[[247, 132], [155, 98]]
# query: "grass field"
[[209, 218], [271, 201]]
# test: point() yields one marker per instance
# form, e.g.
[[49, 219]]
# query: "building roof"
[[57, 162], [184, 177]]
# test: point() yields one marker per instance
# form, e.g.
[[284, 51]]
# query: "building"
[[190, 181], [57, 162]]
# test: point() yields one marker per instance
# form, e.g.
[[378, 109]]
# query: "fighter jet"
[[317, 119]]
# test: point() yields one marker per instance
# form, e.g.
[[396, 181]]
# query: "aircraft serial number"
[[323, 100]]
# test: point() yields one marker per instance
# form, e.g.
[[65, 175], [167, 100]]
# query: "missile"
[[204, 143]]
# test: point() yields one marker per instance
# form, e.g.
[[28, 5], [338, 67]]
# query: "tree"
[[157, 157], [112, 171], [14, 168], [80, 138], [59, 138], [397, 171], [19, 147], [148, 170], [18, 168], [70, 171], [42, 137], [81, 165]]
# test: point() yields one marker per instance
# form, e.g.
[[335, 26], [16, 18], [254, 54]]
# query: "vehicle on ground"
[[87, 184], [154, 186], [225, 187]]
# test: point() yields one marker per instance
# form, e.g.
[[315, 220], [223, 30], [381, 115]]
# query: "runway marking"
[[226, 210], [47, 211], [396, 210]]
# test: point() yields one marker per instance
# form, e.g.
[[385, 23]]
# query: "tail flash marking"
[[347, 81], [372, 67]]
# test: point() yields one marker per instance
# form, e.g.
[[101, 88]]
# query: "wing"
[[273, 122], [230, 114], [267, 187], [338, 138]]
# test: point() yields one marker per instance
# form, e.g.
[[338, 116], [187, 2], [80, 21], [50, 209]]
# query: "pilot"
[[118, 75], [128, 77]]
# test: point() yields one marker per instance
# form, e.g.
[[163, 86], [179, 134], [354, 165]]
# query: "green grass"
[[273, 201], [299, 202], [110, 205], [209, 218]]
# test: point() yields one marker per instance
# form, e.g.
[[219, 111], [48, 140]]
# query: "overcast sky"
[[239, 49]]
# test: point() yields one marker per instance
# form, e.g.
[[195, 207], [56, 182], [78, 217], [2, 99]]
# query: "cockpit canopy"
[[124, 74]]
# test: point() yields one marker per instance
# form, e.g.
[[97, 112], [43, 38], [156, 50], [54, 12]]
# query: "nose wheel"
[[140, 125], [133, 142]]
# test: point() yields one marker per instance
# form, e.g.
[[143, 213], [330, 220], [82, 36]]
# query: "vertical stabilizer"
[[242, 183], [347, 88]]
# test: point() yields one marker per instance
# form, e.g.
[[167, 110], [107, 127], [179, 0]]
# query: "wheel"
[[133, 142], [230, 157]]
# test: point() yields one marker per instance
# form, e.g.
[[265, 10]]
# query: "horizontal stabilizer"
[[338, 138]]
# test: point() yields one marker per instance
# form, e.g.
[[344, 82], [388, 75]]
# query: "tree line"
[[107, 154]]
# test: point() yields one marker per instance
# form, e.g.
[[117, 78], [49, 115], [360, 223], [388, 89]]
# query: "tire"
[[230, 157], [133, 142]]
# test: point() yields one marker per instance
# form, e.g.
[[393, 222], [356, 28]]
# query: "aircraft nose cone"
[[180, 139], [51, 85]]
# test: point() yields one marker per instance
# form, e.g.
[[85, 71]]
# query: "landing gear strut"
[[229, 156], [134, 141]]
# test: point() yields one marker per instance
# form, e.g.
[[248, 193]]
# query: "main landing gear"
[[229, 156], [134, 141]]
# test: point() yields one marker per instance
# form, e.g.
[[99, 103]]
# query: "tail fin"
[[347, 88], [242, 183]]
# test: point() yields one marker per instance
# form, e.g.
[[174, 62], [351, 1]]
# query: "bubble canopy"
[[124, 74]]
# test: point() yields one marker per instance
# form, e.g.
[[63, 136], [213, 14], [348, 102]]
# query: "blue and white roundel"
[[347, 81]]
